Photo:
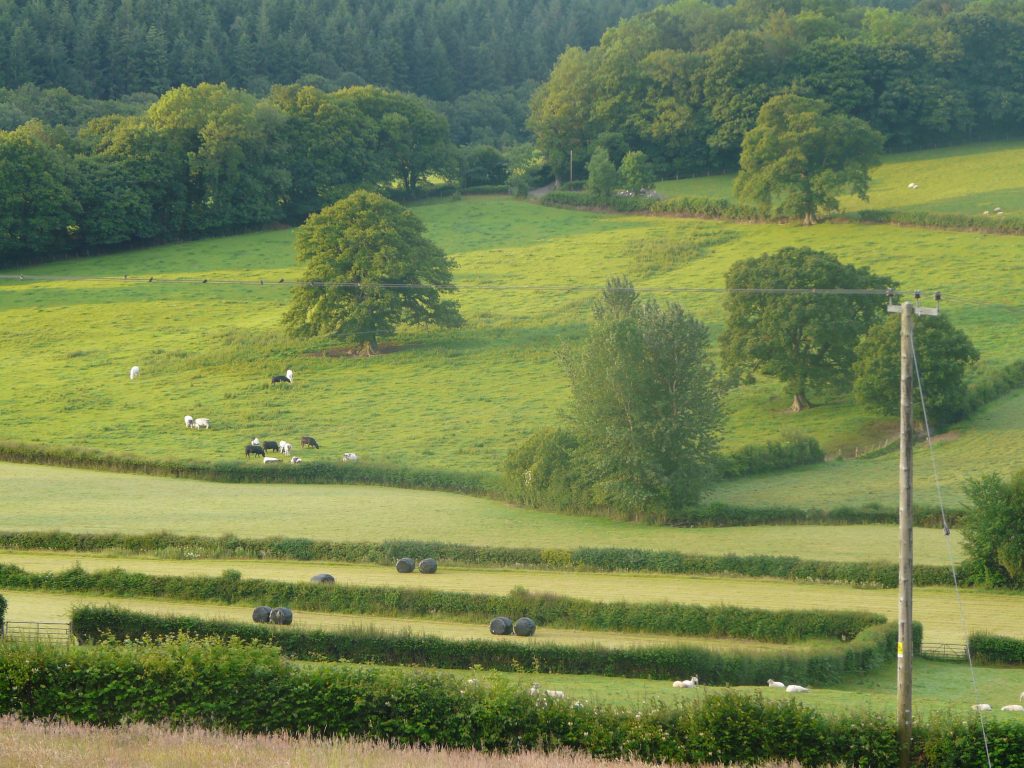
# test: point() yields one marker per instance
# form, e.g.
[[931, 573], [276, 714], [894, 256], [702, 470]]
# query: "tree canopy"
[[368, 268], [805, 339], [645, 406], [800, 156], [943, 354], [993, 530]]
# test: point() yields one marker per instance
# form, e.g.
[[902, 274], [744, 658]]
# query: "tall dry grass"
[[66, 745]]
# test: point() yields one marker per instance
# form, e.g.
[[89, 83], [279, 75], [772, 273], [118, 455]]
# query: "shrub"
[[989, 649], [3, 609], [540, 471], [795, 451]]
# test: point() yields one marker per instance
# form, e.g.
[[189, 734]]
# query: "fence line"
[[56, 632]]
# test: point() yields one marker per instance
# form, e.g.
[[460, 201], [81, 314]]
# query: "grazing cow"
[[254, 450], [270, 445], [285, 447], [309, 442], [189, 422], [134, 372], [286, 379], [201, 423]]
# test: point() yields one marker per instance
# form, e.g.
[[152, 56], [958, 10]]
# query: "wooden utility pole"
[[905, 638]]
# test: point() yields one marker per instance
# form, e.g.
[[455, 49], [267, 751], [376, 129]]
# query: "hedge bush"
[[600, 559], [700, 207], [873, 647], [773, 456], [1001, 225], [995, 649], [545, 609], [3, 609]]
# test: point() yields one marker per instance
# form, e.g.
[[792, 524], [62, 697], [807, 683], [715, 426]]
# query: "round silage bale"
[[405, 565], [524, 626], [323, 578], [261, 615], [428, 565], [281, 616], [501, 625]]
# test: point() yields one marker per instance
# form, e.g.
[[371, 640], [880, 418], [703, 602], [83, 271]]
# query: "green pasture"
[[459, 399], [967, 179], [946, 618], [46, 498]]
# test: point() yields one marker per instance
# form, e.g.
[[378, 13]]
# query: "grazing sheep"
[[691, 683], [796, 689], [309, 442], [911, 185], [981, 707], [270, 459], [775, 684], [1013, 708], [284, 447], [555, 694], [1022, 697], [296, 459], [134, 372], [271, 445], [286, 379], [349, 457], [254, 450], [535, 689], [255, 441], [189, 422], [202, 423]]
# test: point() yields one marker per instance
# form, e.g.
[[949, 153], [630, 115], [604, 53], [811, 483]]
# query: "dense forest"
[[440, 49], [684, 82]]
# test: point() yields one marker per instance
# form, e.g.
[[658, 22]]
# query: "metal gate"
[[55, 632]]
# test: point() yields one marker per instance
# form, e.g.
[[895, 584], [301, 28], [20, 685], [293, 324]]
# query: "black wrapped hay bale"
[[281, 616], [323, 578], [405, 565], [428, 565], [524, 627], [501, 625], [261, 615]]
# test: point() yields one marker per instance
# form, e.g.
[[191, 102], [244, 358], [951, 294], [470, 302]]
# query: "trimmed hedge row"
[[237, 688], [545, 609], [871, 648], [996, 649], [700, 207], [600, 559], [1000, 225], [351, 473], [772, 457]]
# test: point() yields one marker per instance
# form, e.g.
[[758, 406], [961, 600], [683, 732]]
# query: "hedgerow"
[[601, 559], [546, 609], [996, 224], [996, 649], [817, 665], [233, 686]]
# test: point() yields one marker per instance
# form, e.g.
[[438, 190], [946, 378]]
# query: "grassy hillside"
[[528, 276]]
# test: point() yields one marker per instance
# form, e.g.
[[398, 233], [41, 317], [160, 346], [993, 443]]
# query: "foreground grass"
[[47, 498], [937, 608], [67, 745]]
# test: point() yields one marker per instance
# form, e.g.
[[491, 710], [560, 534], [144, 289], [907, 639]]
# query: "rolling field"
[[935, 607], [968, 180], [528, 275], [45, 498]]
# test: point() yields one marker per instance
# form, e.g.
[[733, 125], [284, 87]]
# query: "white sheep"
[[775, 684], [134, 372], [1022, 697], [911, 185], [691, 683], [255, 441], [535, 689], [1013, 708], [349, 457], [189, 422], [796, 689], [555, 694], [284, 447], [296, 459], [270, 459], [201, 423], [981, 707]]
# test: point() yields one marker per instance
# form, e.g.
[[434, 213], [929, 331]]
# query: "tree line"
[[208, 159], [435, 48], [684, 82]]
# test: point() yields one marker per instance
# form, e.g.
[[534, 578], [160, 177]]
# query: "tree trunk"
[[369, 347], [808, 219], [800, 402]]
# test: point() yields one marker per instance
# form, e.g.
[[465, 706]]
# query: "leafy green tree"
[[804, 339], [993, 529], [645, 405], [636, 172], [353, 250], [602, 178], [482, 165], [943, 355], [799, 156]]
